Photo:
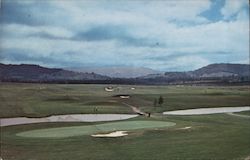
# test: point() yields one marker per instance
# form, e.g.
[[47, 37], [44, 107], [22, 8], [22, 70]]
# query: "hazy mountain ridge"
[[210, 71], [214, 73], [118, 72], [223, 69], [28, 72]]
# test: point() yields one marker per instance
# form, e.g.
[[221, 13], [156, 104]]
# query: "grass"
[[244, 113], [218, 136], [62, 132], [39, 100]]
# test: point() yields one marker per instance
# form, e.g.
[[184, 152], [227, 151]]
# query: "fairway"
[[91, 129], [41, 100]]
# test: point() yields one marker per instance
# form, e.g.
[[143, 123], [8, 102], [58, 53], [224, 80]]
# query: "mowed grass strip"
[[62, 132]]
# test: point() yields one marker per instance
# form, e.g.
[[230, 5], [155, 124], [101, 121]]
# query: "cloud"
[[164, 35], [117, 33], [233, 7], [34, 14], [20, 30]]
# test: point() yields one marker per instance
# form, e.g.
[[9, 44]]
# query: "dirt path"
[[135, 109]]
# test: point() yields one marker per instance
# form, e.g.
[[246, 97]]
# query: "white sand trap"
[[109, 89], [112, 134], [186, 127], [124, 97], [201, 111], [66, 118]]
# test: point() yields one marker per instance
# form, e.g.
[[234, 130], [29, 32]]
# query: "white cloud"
[[84, 14], [232, 7], [188, 62], [196, 42], [25, 30], [186, 47]]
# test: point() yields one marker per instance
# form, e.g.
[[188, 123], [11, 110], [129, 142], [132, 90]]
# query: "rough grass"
[[39, 100]]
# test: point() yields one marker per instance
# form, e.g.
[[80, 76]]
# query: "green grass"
[[217, 136], [244, 113], [39, 100], [91, 129]]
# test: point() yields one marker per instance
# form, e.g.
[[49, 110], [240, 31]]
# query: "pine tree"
[[160, 101]]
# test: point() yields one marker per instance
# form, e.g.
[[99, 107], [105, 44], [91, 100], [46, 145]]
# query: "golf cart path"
[[202, 111], [135, 109]]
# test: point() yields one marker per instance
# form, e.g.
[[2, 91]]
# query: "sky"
[[165, 35]]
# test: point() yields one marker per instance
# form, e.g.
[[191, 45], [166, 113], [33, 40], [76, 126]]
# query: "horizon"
[[70, 69], [159, 35]]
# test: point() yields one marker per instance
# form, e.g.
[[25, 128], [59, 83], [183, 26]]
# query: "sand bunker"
[[125, 97], [111, 135], [109, 89], [186, 127], [201, 111], [66, 118]]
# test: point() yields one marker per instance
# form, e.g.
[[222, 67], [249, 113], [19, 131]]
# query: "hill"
[[118, 72], [214, 73], [223, 72], [36, 73]]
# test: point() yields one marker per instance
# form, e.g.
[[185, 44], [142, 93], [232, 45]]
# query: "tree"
[[160, 101], [155, 102]]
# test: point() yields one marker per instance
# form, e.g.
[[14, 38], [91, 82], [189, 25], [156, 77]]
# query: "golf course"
[[67, 121], [124, 80]]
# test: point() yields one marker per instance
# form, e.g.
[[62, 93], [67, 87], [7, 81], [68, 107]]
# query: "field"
[[39, 100], [218, 136]]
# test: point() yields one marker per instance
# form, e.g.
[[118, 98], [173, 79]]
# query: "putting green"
[[61, 132]]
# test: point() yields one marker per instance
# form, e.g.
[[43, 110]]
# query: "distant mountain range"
[[210, 71], [118, 72], [35, 73], [214, 73]]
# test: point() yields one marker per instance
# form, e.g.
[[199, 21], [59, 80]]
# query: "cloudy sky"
[[164, 35]]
